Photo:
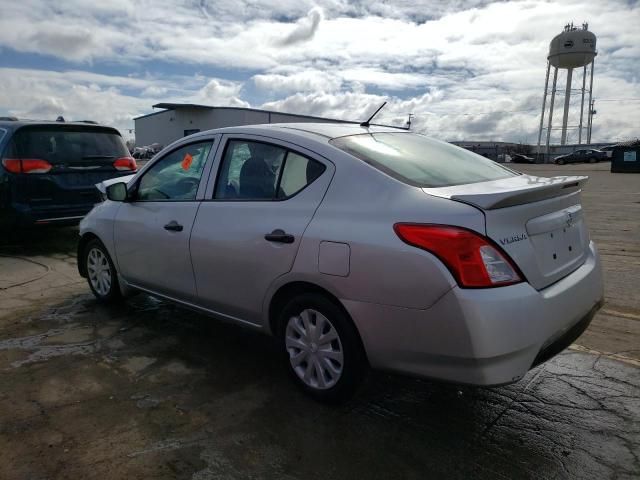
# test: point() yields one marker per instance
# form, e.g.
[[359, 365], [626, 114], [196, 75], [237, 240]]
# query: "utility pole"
[[592, 112]]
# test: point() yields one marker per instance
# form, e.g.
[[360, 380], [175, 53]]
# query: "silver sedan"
[[356, 247]]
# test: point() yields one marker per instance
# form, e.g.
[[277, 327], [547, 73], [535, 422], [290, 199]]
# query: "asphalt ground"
[[147, 389]]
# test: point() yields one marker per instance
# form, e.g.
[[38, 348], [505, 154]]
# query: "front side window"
[[420, 161], [176, 176], [260, 171]]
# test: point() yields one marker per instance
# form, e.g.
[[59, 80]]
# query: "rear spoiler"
[[511, 191]]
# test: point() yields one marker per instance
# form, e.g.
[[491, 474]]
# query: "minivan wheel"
[[101, 273], [322, 348]]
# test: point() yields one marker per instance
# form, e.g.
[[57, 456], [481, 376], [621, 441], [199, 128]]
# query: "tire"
[[102, 276], [329, 371], [593, 160], [560, 162]]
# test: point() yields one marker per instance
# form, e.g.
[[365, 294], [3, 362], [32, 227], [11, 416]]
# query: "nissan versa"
[[355, 246]]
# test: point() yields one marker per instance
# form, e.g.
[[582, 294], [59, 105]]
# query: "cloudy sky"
[[467, 69]]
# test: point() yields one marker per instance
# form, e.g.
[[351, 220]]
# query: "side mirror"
[[117, 192]]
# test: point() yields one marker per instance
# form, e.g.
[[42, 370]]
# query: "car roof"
[[15, 124], [326, 130]]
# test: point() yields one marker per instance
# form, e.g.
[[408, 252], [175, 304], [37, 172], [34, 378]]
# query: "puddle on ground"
[[135, 365]]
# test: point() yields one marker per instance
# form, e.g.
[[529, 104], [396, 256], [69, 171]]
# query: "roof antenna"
[[368, 122]]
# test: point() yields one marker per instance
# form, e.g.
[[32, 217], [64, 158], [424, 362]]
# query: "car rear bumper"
[[484, 336]]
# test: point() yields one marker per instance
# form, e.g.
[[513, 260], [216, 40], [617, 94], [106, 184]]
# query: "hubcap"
[[99, 271], [315, 350]]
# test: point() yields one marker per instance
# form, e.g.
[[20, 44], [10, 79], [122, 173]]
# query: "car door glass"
[[298, 172], [250, 171], [176, 176]]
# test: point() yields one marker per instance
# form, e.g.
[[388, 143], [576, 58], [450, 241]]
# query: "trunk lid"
[[538, 222]]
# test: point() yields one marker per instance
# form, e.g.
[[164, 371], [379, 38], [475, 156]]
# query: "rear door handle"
[[279, 235], [173, 226]]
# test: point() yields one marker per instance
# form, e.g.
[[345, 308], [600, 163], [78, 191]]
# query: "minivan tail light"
[[473, 260], [26, 165], [125, 163]]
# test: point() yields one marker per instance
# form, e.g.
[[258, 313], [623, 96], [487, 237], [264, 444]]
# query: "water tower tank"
[[572, 48]]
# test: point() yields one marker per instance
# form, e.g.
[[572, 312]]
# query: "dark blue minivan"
[[48, 170]]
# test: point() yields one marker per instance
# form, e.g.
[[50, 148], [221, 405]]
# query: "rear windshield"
[[421, 161], [68, 144]]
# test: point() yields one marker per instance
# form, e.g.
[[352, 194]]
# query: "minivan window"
[[69, 145], [421, 161]]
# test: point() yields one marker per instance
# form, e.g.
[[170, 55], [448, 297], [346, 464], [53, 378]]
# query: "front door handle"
[[279, 235], [173, 226]]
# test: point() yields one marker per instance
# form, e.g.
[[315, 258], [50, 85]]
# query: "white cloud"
[[464, 68], [305, 81], [304, 30], [112, 100], [217, 92]]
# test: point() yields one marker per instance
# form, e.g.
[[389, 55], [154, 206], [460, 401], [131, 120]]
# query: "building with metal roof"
[[177, 120]]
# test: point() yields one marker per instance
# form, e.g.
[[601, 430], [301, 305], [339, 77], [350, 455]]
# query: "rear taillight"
[[125, 163], [26, 165], [473, 260]]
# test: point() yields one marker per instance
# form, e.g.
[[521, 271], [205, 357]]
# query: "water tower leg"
[[553, 99], [590, 125], [584, 79], [544, 104], [565, 115]]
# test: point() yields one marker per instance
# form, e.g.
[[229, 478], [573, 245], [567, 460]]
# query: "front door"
[[152, 230], [248, 231]]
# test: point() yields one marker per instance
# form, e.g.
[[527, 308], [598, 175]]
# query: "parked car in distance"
[[590, 155], [354, 246], [608, 151], [521, 158], [49, 170]]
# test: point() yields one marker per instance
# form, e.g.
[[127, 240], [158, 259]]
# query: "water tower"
[[573, 48]]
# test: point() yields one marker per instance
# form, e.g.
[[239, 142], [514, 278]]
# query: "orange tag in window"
[[187, 161]]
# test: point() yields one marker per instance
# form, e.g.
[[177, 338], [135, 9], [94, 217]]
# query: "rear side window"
[[261, 171], [421, 161], [68, 145], [298, 172]]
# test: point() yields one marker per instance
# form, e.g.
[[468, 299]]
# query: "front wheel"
[[323, 351], [560, 162], [101, 273]]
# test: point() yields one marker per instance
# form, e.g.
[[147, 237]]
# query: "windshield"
[[421, 161], [74, 145]]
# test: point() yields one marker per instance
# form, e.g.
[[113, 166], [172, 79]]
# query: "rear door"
[[249, 227], [68, 161], [151, 231]]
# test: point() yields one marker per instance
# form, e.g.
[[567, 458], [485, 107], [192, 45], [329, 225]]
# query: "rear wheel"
[[101, 273], [322, 348], [593, 160]]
